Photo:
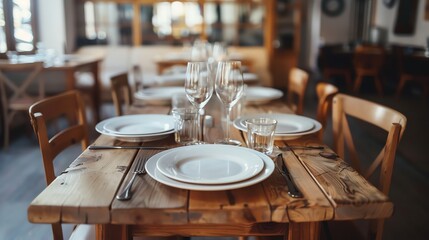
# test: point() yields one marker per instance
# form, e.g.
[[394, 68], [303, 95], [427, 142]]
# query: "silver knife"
[[100, 147], [293, 189]]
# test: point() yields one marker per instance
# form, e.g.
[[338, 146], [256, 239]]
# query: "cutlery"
[[138, 169], [293, 189], [100, 147], [287, 148]]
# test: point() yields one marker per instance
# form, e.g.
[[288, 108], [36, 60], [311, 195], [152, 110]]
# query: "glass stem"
[[228, 113], [199, 126]]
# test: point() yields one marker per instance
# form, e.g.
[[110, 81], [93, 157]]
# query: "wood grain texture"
[[83, 193], [352, 196], [332, 190]]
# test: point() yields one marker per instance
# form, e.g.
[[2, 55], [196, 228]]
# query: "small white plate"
[[158, 95], [290, 126], [139, 125], [261, 95], [202, 164], [153, 172], [100, 127]]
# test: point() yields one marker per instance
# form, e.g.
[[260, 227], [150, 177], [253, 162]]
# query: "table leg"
[[111, 232], [304, 231]]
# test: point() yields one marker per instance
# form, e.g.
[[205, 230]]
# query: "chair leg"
[[400, 87], [378, 86], [357, 84]]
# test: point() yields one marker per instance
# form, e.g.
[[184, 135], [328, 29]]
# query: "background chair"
[[413, 66], [297, 85], [121, 92], [336, 61], [325, 93], [67, 106], [16, 80], [388, 120], [369, 61]]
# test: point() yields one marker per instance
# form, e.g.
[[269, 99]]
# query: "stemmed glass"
[[199, 89], [229, 88]]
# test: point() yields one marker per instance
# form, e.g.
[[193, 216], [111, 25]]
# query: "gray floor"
[[22, 178]]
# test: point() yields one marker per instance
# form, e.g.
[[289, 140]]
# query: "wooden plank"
[[312, 207], [350, 193], [151, 201], [244, 205], [256, 229], [83, 193]]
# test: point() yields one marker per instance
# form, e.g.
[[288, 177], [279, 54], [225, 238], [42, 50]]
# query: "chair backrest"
[[66, 106], [325, 93], [121, 92], [14, 91], [387, 119], [369, 58], [297, 85]]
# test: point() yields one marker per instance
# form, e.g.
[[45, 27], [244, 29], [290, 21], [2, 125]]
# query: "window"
[[237, 23], [17, 26]]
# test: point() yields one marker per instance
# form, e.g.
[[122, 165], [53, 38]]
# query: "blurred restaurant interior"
[[372, 49]]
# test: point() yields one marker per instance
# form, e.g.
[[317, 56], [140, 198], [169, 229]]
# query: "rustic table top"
[[85, 192]]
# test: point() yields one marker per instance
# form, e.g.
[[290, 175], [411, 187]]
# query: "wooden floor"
[[22, 178]]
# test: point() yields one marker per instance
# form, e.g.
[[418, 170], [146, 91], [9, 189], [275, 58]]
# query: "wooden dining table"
[[85, 192], [69, 65]]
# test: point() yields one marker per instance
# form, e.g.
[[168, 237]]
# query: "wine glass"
[[199, 89], [229, 88]]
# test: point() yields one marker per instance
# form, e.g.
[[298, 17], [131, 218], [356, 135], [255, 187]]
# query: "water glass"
[[185, 125], [260, 134]]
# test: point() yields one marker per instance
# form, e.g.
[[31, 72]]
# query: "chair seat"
[[22, 103]]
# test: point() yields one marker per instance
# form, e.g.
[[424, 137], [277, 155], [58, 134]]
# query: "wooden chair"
[[68, 106], [325, 93], [121, 92], [413, 67], [389, 120], [15, 82], [369, 61], [336, 61], [297, 85]]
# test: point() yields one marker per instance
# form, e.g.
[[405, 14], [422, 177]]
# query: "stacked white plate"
[[289, 126], [158, 95], [262, 95], [209, 167], [137, 128]]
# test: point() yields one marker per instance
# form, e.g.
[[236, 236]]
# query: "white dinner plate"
[[100, 127], [204, 165], [290, 126], [261, 95], [153, 172], [158, 95], [139, 124]]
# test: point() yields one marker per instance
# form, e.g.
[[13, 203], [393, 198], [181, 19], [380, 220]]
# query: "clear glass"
[[260, 134], [199, 89], [23, 31], [229, 88]]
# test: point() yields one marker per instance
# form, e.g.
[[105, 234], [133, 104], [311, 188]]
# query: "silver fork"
[[138, 169]]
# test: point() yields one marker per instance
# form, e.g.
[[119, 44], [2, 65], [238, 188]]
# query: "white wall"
[[52, 24], [335, 29], [385, 17]]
